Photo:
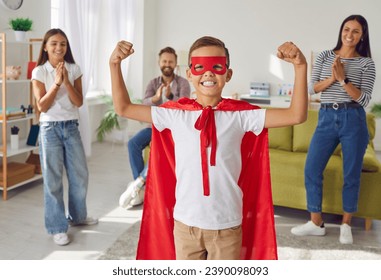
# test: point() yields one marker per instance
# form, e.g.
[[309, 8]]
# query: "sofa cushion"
[[371, 123], [370, 163], [287, 180], [303, 134], [281, 138]]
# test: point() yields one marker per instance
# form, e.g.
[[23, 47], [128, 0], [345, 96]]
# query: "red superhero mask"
[[200, 64]]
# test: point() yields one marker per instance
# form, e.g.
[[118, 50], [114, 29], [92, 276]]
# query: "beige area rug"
[[292, 247], [289, 248], [124, 248]]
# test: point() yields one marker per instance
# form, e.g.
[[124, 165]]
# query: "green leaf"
[[376, 110], [108, 123], [21, 24], [109, 120]]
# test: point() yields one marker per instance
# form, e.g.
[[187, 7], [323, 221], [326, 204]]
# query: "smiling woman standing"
[[345, 76], [57, 88]]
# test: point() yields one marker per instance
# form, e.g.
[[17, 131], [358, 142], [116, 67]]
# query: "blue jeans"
[[61, 146], [345, 126], [136, 145]]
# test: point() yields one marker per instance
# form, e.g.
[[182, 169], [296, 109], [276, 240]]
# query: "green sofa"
[[288, 151]]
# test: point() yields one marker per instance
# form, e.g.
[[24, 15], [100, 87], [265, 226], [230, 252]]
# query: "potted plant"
[[21, 26], [376, 110], [110, 120]]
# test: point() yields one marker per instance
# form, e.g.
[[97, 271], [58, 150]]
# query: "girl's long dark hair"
[[43, 56], [363, 47]]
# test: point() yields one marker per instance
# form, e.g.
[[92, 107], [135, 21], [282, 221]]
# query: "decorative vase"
[[20, 35], [14, 141]]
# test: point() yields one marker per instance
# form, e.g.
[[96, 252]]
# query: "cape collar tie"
[[208, 138]]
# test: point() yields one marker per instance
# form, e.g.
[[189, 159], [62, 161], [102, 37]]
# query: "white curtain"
[[122, 17], [122, 24], [80, 20]]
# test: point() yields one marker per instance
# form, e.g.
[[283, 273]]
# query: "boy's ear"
[[229, 75], [189, 74]]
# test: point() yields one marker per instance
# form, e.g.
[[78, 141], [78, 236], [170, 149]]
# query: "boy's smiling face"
[[209, 72]]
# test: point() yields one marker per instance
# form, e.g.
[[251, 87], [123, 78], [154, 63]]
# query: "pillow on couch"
[[370, 163], [280, 138], [303, 133], [371, 123]]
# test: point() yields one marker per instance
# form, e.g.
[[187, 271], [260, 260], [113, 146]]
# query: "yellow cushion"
[[303, 132], [146, 152], [298, 138], [371, 123], [370, 163], [281, 138]]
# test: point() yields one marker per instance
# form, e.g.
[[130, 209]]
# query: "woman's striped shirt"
[[361, 72]]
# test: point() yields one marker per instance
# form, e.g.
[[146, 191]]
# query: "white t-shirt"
[[62, 109], [223, 207]]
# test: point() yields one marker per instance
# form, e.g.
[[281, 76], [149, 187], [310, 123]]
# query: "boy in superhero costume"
[[208, 193]]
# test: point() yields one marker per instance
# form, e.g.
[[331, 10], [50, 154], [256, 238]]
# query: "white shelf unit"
[[270, 101], [12, 87], [276, 101]]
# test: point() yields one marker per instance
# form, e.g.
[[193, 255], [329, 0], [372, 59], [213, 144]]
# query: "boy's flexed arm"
[[121, 99], [297, 112]]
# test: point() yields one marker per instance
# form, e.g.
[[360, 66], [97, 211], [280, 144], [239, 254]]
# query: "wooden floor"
[[23, 236], [22, 232]]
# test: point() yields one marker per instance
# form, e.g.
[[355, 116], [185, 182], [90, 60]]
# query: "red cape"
[[156, 240]]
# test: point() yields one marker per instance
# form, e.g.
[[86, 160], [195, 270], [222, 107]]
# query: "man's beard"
[[167, 71]]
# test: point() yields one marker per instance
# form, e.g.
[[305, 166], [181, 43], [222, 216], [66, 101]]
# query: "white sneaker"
[[309, 228], [61, 239], [139, 198], [89, 221], [131, 192], [345, 234]]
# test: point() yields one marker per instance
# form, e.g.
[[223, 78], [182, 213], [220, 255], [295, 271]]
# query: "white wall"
[[253, 29], [36, 10]]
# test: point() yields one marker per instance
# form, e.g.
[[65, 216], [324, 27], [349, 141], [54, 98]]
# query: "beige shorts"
[[193, 243]]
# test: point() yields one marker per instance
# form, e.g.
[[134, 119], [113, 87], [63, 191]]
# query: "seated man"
[[168, 86]]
